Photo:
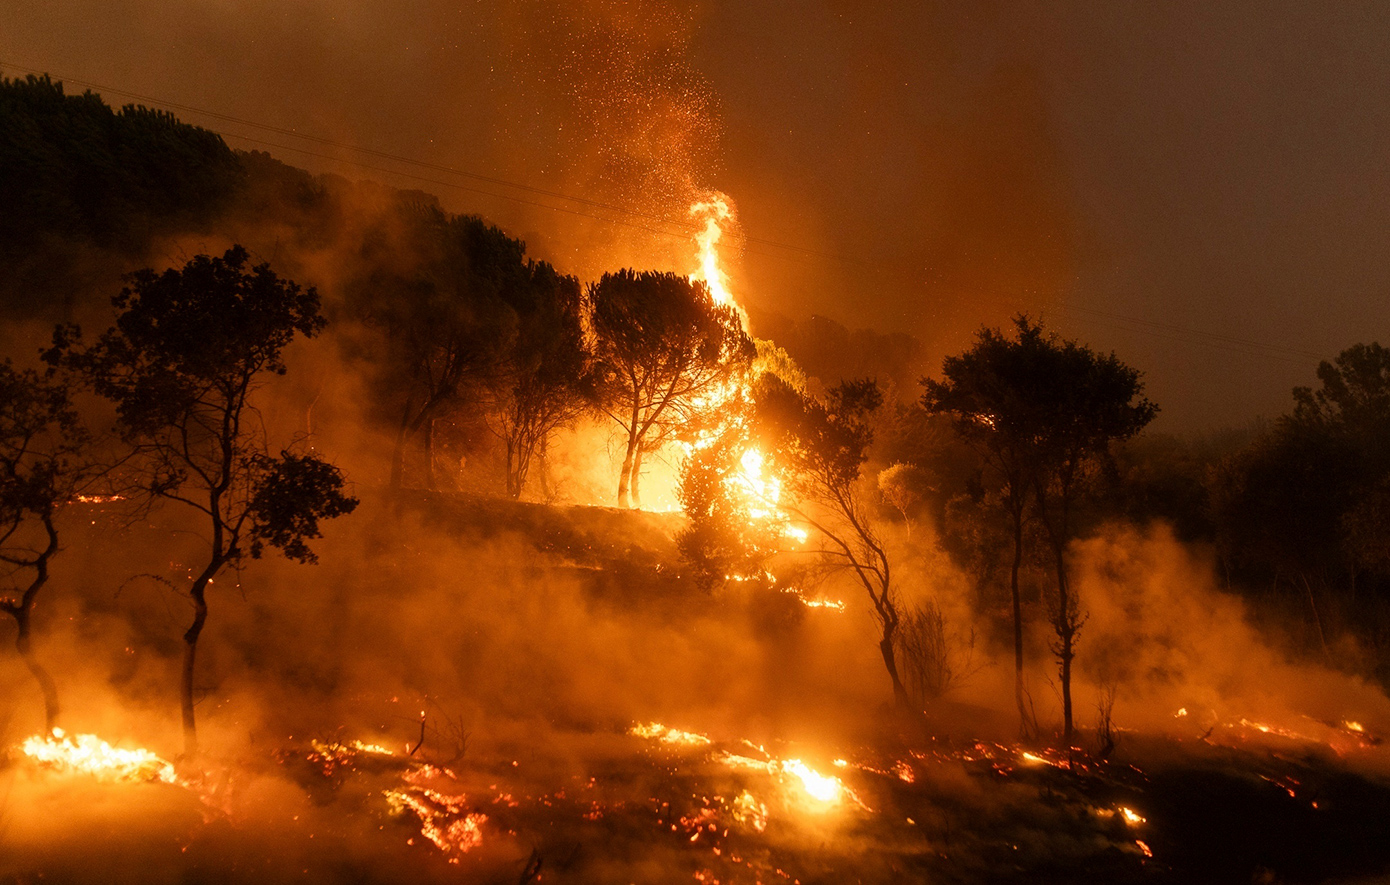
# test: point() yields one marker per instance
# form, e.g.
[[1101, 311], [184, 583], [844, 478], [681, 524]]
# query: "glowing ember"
[[444, 816], [1354, 726], [1143, 847], [815, 602], [1131, 817], [748, 810], [657, 731], [89, 754]]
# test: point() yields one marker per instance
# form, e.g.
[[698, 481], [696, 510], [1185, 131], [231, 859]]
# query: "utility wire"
[[685, 229]]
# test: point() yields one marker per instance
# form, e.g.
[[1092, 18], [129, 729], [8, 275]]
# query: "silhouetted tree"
[[1041, 410], [41, 467], [1307, 500], [76, 174], [189, 349], [660, 344], [442, 295], [545, 382], [988, 392], [818, 448], [1092, 401]]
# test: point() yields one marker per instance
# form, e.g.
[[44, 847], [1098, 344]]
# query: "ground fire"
[[349, 535]]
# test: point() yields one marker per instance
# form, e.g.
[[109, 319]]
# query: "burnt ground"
[[642, 810]]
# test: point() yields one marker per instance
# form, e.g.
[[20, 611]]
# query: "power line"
[[685, 229]]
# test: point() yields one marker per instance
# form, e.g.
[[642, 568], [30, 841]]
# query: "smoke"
[[1161, 631]]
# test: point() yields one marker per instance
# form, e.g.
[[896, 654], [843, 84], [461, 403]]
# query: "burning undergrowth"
[[662, 803], [628, 728]]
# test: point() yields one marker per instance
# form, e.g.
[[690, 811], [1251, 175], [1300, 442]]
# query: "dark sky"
[[1203, 188]]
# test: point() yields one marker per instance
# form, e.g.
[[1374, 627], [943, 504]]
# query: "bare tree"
[[819, 448], [41, 467]]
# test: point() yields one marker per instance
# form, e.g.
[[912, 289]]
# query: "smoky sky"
[[1202, 188]]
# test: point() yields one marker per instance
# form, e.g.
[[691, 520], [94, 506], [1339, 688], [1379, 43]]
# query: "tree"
[[188, 351], [1092, 401], [545, 381], [818, 447], [41, 467], [1308, 499], [443, 298], [987, 391], [903, 486], [662, 349], [1040, 410]]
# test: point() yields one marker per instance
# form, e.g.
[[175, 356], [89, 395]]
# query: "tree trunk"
[[45, 681], [1066, 638], [1024, 724], [429, 455], [398, 451], [514, 477], [190, 652], [637, 479], [624, 478], [890, 661]]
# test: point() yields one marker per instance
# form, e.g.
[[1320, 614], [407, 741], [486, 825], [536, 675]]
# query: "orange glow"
[[89, 754], [712, 214], [657, 731]]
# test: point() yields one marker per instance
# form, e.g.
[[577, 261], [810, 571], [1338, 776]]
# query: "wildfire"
[[444, 818], [657, 731], [815, 602], [89, 754], [713, 213], [824, 788]]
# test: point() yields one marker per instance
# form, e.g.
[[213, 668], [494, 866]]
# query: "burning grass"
[[657, 802]]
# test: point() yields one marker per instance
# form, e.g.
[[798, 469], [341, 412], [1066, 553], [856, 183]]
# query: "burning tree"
[[662, 347], [1041, 410], [820, 448], [189, 349], [41, 441]]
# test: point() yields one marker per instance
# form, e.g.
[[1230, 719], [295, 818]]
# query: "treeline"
[[1295, 511], [473, 353]]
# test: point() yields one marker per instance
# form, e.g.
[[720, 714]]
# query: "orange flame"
[[89, 754]]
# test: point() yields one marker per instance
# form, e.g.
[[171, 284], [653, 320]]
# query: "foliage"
[[73, 170], [1307, 497], [662, 349], [189, 349]]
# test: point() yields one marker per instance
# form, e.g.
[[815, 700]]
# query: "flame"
[[657, 731], [747, 809], [821, 787], [89, 754], [713, 213]]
